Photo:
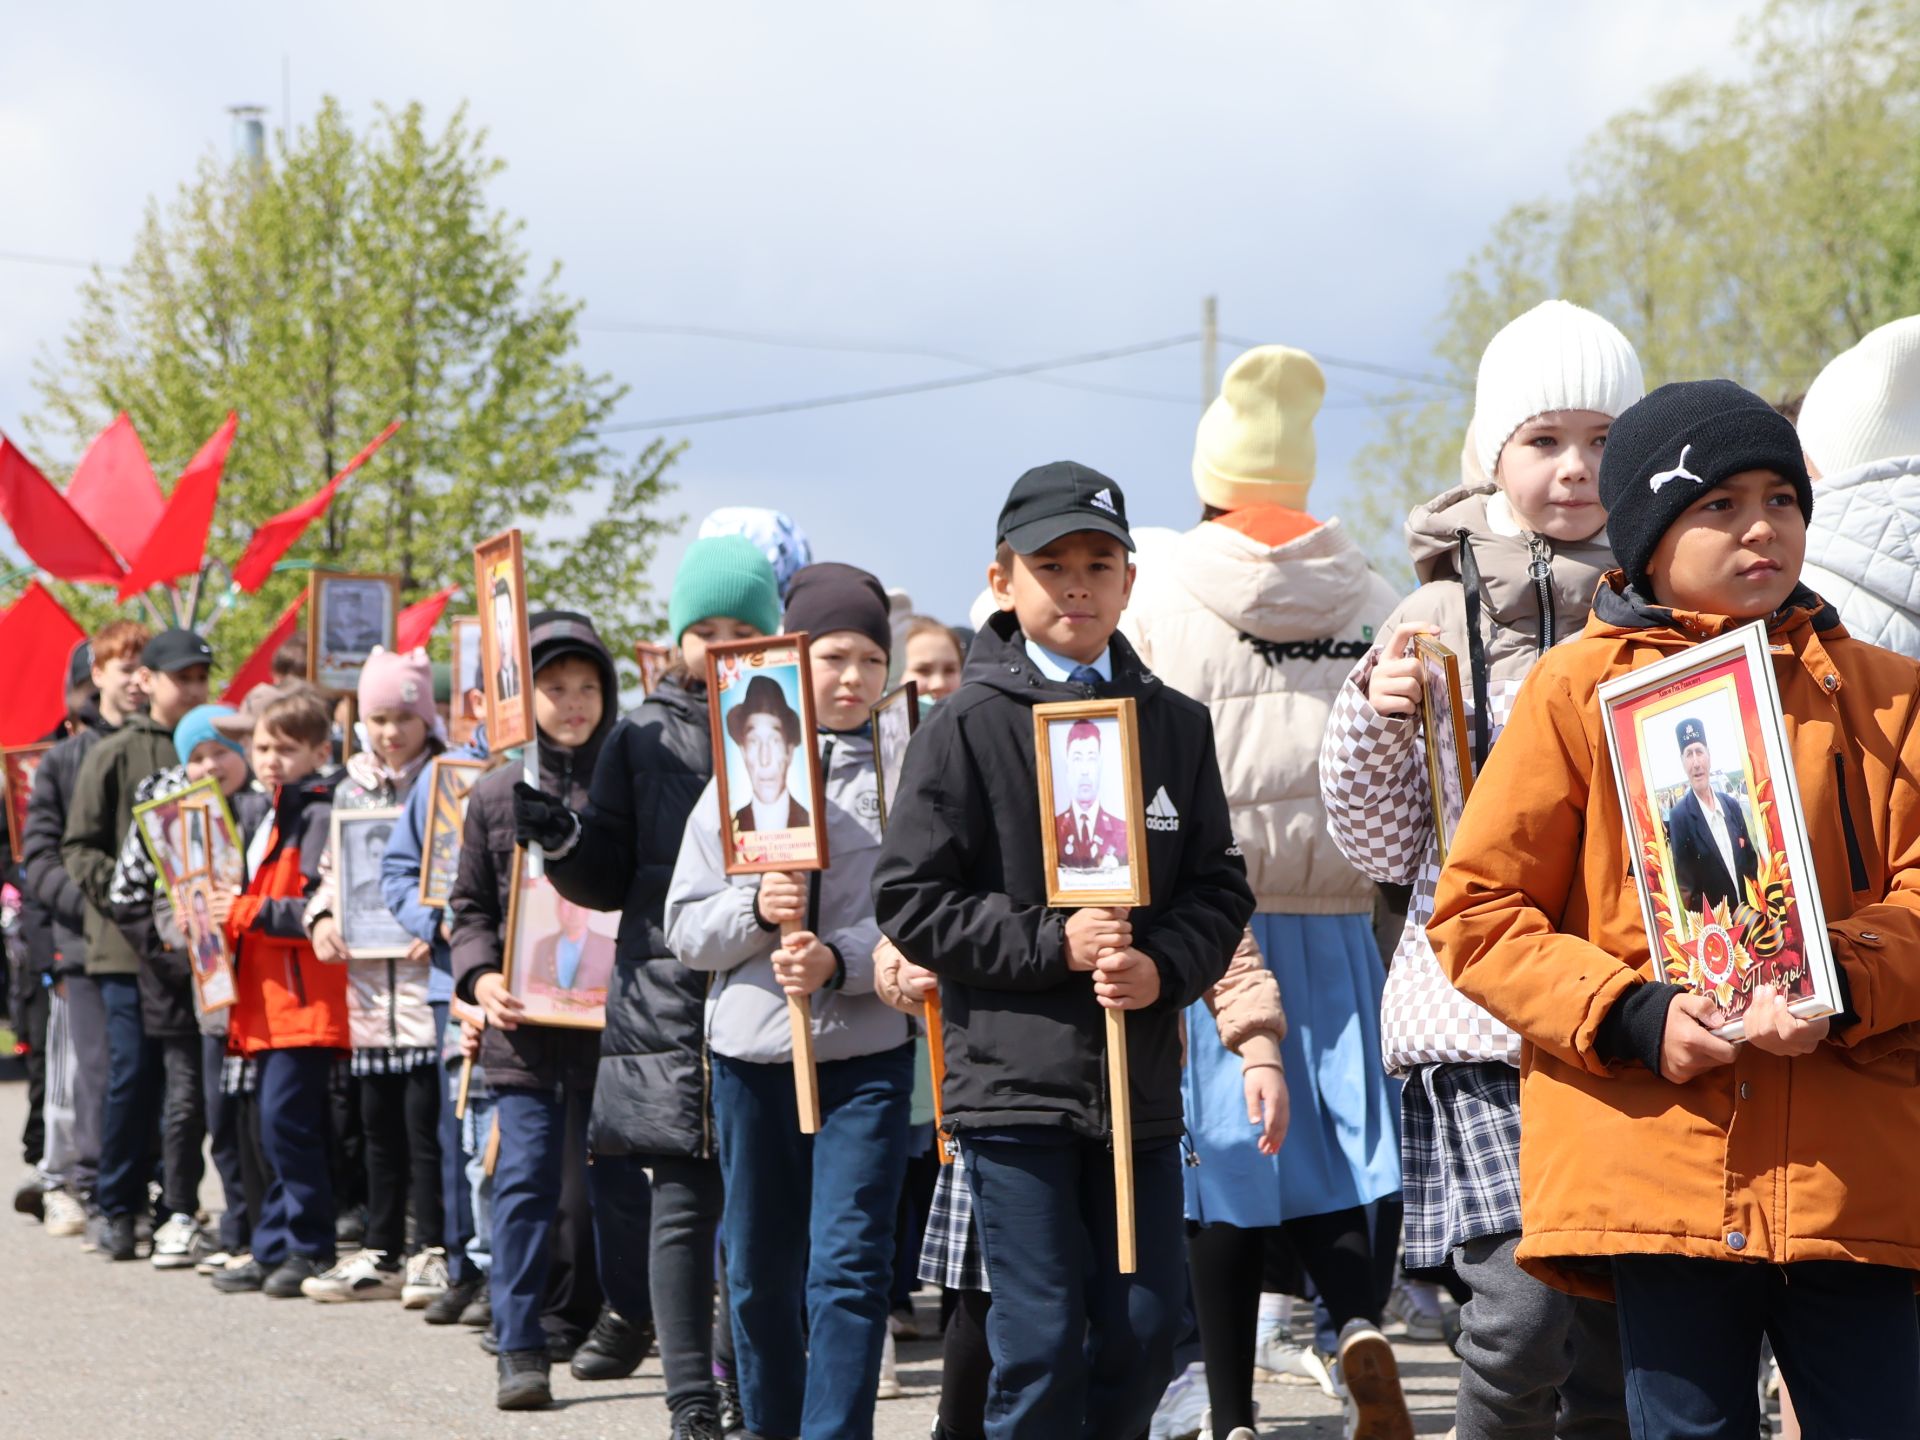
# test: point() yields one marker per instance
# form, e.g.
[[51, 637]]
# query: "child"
[[650, 1111], [1715, 1193], [395, 1025], [808, 1230], [933, 658], [1508, 567], [173, 672], [192, 1041], [960, 890], [542, 1075], [290, 1014]]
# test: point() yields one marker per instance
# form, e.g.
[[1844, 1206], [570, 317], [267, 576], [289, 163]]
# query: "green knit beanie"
[[724, 575]]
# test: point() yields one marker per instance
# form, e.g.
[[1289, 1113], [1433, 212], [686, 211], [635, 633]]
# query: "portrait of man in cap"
[[766, 729], [1087, 835], [1713, 855]]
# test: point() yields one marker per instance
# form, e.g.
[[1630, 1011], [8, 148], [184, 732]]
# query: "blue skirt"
[[1343, 1144]]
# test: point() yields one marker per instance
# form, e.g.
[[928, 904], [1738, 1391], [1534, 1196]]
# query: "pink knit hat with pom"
[[399, 682]]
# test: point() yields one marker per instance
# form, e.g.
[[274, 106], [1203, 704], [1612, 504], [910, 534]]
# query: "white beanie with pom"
[[1865, 405], [1557, 356]]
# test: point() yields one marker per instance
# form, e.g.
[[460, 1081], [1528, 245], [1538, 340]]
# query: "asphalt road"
[[98, 1351]]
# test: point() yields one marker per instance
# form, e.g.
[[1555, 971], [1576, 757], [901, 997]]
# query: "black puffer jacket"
[[960, 889], [531, 1056], [47, 878], [652, 1098]]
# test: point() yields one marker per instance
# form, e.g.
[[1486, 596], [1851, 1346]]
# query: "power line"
[[888, 392], [1365, 367], [22, 258]]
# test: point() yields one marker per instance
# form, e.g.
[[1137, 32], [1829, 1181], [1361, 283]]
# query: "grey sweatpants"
[[1535, 1363]]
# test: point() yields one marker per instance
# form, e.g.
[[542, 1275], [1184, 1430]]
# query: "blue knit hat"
[[196, 728], [724, 575]]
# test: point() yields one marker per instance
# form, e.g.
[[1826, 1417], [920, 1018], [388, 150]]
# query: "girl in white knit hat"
[[1508, 561]]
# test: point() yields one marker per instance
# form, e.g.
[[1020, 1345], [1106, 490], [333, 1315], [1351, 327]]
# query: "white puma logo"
[[1679, 472]]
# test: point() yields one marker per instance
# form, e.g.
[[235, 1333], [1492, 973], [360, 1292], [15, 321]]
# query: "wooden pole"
[[937, 1063], [492, 1157], [466, 1083], [806, 1079], [1120, 1104]]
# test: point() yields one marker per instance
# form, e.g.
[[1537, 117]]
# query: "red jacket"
[[288, 998]]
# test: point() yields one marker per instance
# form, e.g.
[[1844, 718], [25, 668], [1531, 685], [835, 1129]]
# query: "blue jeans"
[[1079, 1349], [456, 1205], [473, 1134], [1845, 1335], [132, 1103], [538, 1131], [808, 1229], [297, 1217]]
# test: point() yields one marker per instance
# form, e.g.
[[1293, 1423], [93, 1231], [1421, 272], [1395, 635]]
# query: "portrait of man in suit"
[[1713, 855], [505, 635], [353, 619], [767, 731], [1087, 836], [574, 957]]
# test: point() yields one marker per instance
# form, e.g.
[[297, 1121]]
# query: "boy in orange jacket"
[[290, 1012], [1715, 1192]]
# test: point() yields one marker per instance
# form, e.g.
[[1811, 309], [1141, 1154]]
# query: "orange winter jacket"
[[1537, 919], [287, 997]]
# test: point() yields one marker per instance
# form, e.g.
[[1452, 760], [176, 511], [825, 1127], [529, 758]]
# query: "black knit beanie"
[[1667, 450], [827, 597]]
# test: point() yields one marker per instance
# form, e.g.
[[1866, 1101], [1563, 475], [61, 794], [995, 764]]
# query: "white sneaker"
[[358, 1277], [1416, 1305], [426, 1279], [62, 1215], [208, 1264], [1291, 1364], [1239, 1432], [1376, 1406], [889, 1371], [173, 1243], [1183, 1409]]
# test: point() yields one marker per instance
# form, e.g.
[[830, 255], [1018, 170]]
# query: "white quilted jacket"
[[1265, 636], [1863, 551]]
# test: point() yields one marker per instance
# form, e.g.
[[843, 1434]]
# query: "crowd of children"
[[1513, 1113]]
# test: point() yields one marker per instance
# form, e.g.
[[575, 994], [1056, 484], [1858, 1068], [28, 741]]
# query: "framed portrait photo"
[[506, 664], [359, 845], [1444, 725], [1719, 839], [348, 616], [1093, 823], [772, 802], [654, 661], [468, 676], [895, 717], [18, 765], [448, 784], [559, 956], [212, 960], [191, 832]]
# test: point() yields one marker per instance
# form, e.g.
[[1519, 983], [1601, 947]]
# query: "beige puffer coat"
[[1265, 636]]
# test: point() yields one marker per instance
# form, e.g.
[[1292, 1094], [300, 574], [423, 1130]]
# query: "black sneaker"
[[350, 1227], [479, 1311], [490, 1339], [523, 1381], [284, 1281], [733, 1419], [238, 1279], [447, 1307], [563, 1345], [697, 1423], [118, 1238], [30, 1199], [614, 1350]]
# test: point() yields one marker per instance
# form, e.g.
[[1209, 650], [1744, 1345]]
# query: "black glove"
[[540, 819]]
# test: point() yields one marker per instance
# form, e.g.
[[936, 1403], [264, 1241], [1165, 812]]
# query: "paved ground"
[[107, 1351]]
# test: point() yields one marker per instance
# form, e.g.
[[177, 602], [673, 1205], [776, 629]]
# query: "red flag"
[[47, 527], [179, 542], [259, 667], [277, 536], [413, 626], [114, 490], [37, 636]]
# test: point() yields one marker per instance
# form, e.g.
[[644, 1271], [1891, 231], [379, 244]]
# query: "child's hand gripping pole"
[[1100, 940], [806, 1078]]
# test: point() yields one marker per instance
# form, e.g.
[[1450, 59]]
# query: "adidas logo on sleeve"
[[1160, 812]]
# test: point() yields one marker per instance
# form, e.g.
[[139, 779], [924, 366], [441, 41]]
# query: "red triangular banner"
[[48, 528], [37, 636], [278, 535], [179, 542], [413, 626], [259, 667], [114, 490]]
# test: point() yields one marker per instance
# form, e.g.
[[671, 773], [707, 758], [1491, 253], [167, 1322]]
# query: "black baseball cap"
[[1057, 499], [176, 649]]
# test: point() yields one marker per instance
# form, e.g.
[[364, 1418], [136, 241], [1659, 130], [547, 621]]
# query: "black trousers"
[[966, 1365], [33, 1002], [400, 1118], [183, 1123]]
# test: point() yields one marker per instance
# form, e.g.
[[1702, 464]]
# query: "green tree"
[[1751, 228], [358, 279]]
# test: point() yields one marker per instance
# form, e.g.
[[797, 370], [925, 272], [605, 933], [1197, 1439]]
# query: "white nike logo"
[[1679, 472]]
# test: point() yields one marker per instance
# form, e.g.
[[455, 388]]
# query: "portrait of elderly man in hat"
[[1713, 856], [767, 731]]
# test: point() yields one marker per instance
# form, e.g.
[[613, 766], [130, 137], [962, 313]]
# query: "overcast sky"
[[1010, 181]]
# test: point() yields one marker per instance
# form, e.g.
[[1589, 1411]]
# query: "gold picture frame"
[[367, 927], [1443, 718], [1084, 835], [500, 586], [18, 765], [895, 717], [742, 677], [335, 653], [570, 1007], [449, 784]]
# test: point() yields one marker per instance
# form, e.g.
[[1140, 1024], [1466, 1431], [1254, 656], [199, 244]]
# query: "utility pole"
[[1209, 350]]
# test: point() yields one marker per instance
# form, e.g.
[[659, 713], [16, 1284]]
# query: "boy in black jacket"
[[1078, 1348]]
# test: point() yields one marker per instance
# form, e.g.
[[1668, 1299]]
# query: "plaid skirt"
[[950, 1255], [1459, 1157]]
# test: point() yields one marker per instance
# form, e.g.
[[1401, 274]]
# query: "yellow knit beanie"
[[1255, 443]]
